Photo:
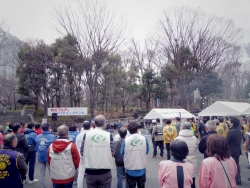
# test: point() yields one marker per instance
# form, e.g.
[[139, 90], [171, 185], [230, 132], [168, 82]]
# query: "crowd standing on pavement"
[[70, 156]]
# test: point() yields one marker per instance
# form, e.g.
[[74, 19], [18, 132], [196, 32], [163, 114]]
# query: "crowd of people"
[[71, 155]]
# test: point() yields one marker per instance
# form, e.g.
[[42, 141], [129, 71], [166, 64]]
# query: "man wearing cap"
[[86, 128], [98, 151], [134, 150], [157, 131]]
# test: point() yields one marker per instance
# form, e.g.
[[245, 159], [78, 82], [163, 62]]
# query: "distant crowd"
[[71, 155]]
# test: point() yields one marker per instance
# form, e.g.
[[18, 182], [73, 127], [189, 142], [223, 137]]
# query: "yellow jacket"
[[245, 128], [222, 129], [169, 133]]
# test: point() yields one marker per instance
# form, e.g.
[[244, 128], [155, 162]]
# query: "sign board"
[[64, 111], [44, 120]]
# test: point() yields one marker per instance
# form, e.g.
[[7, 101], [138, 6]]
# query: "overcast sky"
[[32, 18]]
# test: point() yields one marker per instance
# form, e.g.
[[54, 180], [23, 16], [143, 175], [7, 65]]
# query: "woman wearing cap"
[[176, 165]]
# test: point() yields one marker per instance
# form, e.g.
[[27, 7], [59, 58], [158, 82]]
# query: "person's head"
[[221, 119], [179, 149], [234, 121], [158, 120], [168, 121], [217, 147], [72, 126], [186, 125], [1, 127], [10, 140], [46, 127], [10, 126], [37, 126], [133, 127], [178, 119], [100, 120], [63, 131], [86, 125], [122, 132], [31, 125], [16, 128], [210, 125]]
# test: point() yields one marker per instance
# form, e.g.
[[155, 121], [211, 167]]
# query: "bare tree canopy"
[[211, 39]]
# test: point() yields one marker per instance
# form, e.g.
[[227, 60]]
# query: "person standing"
[[79, 138], [30, 134], [63, 159], [187, 135], [222, 128], [176, 172], [38, 129], [120, 170], [211, 129], [134, 150], [178, 124], [13, 167], [170, 133], [119, 124], [43, 142], [97, 150], [158, 134], [72, 137], [22, 145], [234, 137], [248, 143], [218, 169]]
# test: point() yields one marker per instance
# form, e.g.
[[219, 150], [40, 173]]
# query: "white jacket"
[[192, 143]]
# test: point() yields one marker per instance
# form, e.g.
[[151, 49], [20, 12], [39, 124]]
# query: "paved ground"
[[152, 172]]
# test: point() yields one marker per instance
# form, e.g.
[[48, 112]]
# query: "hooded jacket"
[[62, 162], [22, 145], [31, 137], [43, 142], [192, 143]]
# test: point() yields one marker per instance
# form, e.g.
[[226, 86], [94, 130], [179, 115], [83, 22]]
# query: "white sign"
[[64, 111], [44, 120]]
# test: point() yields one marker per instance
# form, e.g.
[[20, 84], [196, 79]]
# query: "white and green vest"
[[97, 152], [135, 152]]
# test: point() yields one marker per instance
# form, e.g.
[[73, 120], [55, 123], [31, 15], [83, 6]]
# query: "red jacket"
[[38, 131], [60, 145]]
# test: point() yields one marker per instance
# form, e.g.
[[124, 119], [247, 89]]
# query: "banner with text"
[[68, 111]]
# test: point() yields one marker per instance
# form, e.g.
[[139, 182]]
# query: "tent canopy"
[[221, 108], [165, 113]]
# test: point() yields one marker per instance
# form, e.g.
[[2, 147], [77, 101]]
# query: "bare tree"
[[212, 41], [98, 34]]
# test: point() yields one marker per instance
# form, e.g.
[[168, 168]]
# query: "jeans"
[[193, 185], [168, 150], [66, 185], [31, 161], [160, 144], [119, 172], [132, 181], [236, 159], [42, 167]]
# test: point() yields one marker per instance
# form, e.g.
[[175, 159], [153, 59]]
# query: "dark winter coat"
[[234, 138]]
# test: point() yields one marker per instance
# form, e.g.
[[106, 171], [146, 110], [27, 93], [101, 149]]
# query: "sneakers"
[[24, 181], [75, 183], [153, 157], [33, 181]]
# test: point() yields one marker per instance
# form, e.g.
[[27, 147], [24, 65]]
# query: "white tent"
[[165, 113], [221, 108]]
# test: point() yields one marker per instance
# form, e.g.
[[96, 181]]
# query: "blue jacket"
[[43, 142], [31, 137], [72, 136]]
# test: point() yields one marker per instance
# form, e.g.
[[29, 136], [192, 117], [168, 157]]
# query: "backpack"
[[159, 130]]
